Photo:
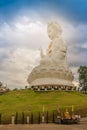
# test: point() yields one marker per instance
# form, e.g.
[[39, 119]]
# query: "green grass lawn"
[[30, 101]]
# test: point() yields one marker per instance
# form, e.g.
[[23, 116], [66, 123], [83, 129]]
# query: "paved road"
[[81, 126]]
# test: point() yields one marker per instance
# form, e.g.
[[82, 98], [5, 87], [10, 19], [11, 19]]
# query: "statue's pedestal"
[[50, 78]]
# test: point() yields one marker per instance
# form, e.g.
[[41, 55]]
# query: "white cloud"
[[24, 33], [84, 45], [16, 68]]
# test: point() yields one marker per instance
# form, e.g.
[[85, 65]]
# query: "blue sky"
[[23, 30], [74, 9]]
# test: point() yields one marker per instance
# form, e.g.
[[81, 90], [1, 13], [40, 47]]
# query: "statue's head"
[[54, 30]]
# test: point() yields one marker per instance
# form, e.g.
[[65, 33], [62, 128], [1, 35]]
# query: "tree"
[[0, 84], [26, 87], [83, 77]]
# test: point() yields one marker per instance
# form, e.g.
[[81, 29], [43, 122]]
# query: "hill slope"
[[28, 100]]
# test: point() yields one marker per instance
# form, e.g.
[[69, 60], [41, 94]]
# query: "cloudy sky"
[[23, 30]]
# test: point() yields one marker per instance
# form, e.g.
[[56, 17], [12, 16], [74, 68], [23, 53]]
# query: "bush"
[[39, 118], [53, 120], [47, 117], [22, 117], [0, 118], [16, 118], [32, 118]]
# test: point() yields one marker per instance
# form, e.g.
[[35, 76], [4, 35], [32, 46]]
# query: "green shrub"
[[22, 117], [32, 118], [0, 118], [16, 118], [39, 118], [53, 120], [47, 118]]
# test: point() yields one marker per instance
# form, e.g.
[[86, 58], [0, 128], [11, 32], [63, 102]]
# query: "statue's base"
[[50, 78]]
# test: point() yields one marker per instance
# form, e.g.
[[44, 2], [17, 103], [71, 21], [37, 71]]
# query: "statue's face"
[[54, 31], [51, 33]]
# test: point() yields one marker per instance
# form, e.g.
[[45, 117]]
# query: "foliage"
[[39, 118], [0, 84], [16, 117], [0, 118], [83, 77], [47, 117], [32, 118], [26, 87], [22, 117], [53, 120]]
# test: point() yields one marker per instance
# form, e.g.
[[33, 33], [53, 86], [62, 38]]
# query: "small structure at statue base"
[[53, 72]]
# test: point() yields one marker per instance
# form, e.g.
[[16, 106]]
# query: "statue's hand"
[[41, 53]]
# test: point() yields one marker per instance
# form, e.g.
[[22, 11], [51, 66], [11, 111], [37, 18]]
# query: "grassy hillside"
[[30, 101]]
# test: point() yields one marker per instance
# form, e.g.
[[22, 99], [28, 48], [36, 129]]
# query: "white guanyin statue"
[[56, 52], [52, 70]]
